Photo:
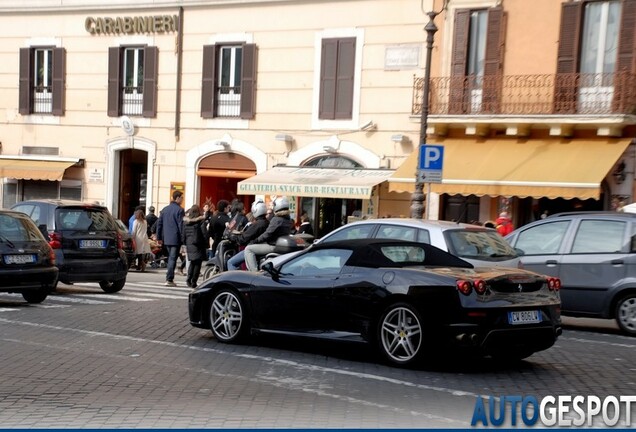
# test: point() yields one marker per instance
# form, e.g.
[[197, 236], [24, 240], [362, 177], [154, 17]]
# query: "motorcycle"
[[224, 251], [227, 249]]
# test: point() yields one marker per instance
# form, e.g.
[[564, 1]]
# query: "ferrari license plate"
[[92, 244], [19, 259], [524, 317]]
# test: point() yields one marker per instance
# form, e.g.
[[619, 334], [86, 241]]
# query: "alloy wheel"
[[226, 316], [401, 334]]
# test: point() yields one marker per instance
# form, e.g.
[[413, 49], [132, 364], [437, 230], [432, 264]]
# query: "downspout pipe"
[[177, 109]]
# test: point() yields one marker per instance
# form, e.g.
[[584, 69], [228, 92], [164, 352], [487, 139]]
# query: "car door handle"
[[618, 262], [551, 262]]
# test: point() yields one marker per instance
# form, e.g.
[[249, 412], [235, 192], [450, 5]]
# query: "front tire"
[[228, 319], [626, 314], [112, 286], [211, 271], [400, 334]]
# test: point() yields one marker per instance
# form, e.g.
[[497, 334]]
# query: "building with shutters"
[[122, 103], [534, 104]]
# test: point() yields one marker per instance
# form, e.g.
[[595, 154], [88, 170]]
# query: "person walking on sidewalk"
[[140, 234], [169, 229], [195, 239]]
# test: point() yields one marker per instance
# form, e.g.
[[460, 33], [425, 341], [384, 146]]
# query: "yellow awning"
[[34, 169], [537, 168], [353, 183]]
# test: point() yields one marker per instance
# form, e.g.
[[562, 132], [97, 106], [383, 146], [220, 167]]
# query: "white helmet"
[[259, 209], [281, 203]]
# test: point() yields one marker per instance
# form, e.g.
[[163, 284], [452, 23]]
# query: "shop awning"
[[34, 168], [536, 168], [353, 183]]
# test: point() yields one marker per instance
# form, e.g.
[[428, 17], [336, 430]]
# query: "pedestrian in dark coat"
[[169, 229], [195, 238], [219, 222]]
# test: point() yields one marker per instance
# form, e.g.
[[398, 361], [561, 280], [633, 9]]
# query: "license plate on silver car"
[[92, 244], [524, 317], [19, 259]]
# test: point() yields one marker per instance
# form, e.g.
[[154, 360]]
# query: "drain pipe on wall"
[[177, 110]]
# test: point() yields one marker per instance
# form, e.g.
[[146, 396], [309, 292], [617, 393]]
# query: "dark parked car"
[[27, 263], [594, 255], [406, 298], [128, 242], [85, 239]]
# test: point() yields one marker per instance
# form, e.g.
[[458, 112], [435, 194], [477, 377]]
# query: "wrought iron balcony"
[[535, 95]]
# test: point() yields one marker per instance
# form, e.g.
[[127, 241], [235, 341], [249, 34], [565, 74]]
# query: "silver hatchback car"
[[480, 246], [594, 255]]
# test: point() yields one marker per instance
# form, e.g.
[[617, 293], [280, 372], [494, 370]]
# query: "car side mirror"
[[269, 268], [520, 252]]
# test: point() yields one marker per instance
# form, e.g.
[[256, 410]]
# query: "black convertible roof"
[[368, 253]]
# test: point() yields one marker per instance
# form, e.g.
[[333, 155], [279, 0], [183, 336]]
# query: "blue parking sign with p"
[[431, 157]]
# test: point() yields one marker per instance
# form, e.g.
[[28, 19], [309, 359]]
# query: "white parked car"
[[480, 246]]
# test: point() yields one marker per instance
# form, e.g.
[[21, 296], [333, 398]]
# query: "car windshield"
[[84, 219], [478, 244]]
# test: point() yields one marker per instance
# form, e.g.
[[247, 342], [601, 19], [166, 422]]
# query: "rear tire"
[[228, 317], [625, 314], [112, 286], [35, 297], [400, 334]]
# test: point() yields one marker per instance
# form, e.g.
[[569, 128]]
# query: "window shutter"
[[151, 71], [626, 40], [328, 65], [209, 81], [459, 57], [494, 42], [248, 81], [625, 80], [565, 88], [344, 82], [26, 83], [59, 75], [114, 82], [493, 60]]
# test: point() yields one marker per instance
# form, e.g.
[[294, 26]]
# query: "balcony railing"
[[591, 94]]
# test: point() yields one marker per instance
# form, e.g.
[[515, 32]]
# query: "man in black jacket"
[[252, 232], [219, 222], [280, 225]]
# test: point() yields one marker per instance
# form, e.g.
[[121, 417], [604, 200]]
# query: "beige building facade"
[[123, 103]]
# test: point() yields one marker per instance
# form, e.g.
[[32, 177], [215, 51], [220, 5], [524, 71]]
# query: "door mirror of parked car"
[[520, 252]]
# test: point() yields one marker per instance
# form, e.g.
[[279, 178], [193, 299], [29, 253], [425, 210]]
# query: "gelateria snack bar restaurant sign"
[[132, 25], [354, 183]]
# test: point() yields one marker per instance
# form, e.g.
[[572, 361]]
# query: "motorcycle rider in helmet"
[[279, 225], [253, 230]]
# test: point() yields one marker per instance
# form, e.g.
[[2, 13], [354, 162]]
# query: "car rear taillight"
[[465, 287], [51, 255], [55, 240], [554, 284], [120, 242], [480, 286]]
